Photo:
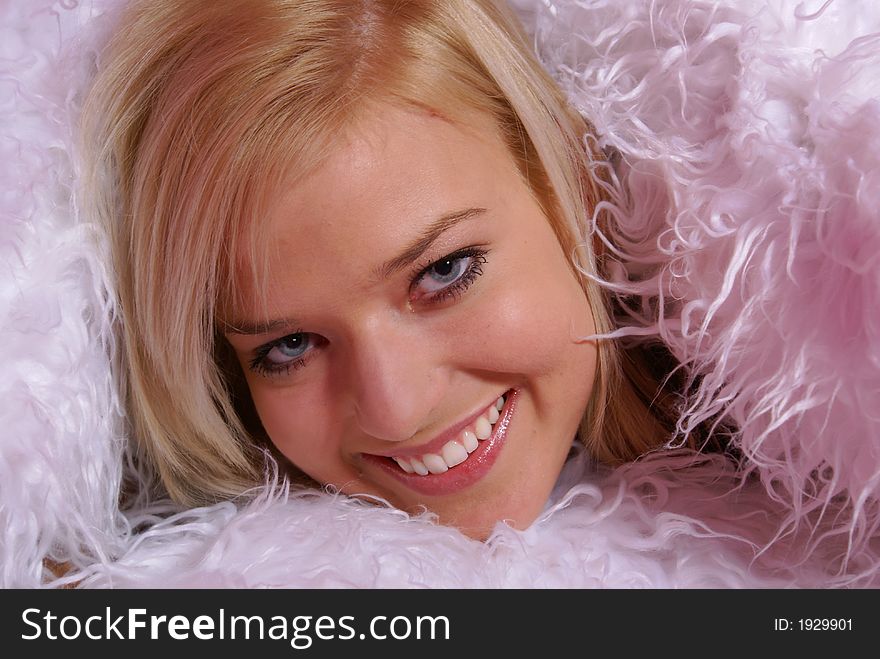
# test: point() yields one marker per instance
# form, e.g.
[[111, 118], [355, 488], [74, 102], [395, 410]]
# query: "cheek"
[[300, 425], [531, 322]]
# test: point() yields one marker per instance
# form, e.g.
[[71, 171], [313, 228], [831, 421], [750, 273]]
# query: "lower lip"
[[462, 475]]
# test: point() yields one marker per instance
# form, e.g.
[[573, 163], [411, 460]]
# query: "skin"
[[392, 366]]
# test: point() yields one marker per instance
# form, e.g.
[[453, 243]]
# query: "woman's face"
[[414, 283]]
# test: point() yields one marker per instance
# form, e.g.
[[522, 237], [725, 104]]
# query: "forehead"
[[391, 174], [395, 160]]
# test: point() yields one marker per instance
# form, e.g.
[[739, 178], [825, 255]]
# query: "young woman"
[[360, 235]]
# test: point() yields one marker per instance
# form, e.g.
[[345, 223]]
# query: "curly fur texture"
[[749, 135], [751, 233]]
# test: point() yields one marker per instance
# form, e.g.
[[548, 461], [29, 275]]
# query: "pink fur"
[[752, 151], [750, 137]]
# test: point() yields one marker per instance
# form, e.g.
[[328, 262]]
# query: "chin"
[[477, 518]]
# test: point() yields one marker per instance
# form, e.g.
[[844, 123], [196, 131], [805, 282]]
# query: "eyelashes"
[[455, 272], [295, 347], [437, 282]]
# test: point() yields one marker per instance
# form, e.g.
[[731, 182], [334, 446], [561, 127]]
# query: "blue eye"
[[290, 347], [444, 272], [287, 352], [449, 276]]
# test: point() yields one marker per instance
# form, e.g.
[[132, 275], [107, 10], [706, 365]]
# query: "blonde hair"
[[200, 110]]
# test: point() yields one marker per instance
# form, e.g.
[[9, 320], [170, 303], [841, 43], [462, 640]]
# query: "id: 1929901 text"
[[812, 624]]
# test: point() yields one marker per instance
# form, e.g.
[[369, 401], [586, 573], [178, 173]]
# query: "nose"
[[394, 373]]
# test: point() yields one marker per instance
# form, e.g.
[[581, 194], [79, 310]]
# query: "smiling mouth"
[[461, 461], [455, 451]]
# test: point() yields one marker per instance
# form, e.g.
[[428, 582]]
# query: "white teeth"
[[493, 415], [454, 453], [405, 465], [419, 467], [434, 463], [469, 440]]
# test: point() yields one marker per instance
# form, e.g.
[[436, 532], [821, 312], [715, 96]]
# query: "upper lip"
[[436, 444]]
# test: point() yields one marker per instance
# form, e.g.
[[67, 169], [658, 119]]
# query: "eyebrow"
[[421, 244], [409, 255], [247, 328]]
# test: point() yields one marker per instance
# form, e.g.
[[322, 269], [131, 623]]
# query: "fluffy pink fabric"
[[750, 142], [752, 228]]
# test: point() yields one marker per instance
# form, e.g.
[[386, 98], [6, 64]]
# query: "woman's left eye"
[[449, 276]]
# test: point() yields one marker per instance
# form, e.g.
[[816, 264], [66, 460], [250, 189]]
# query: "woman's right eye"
[[282, 355]]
